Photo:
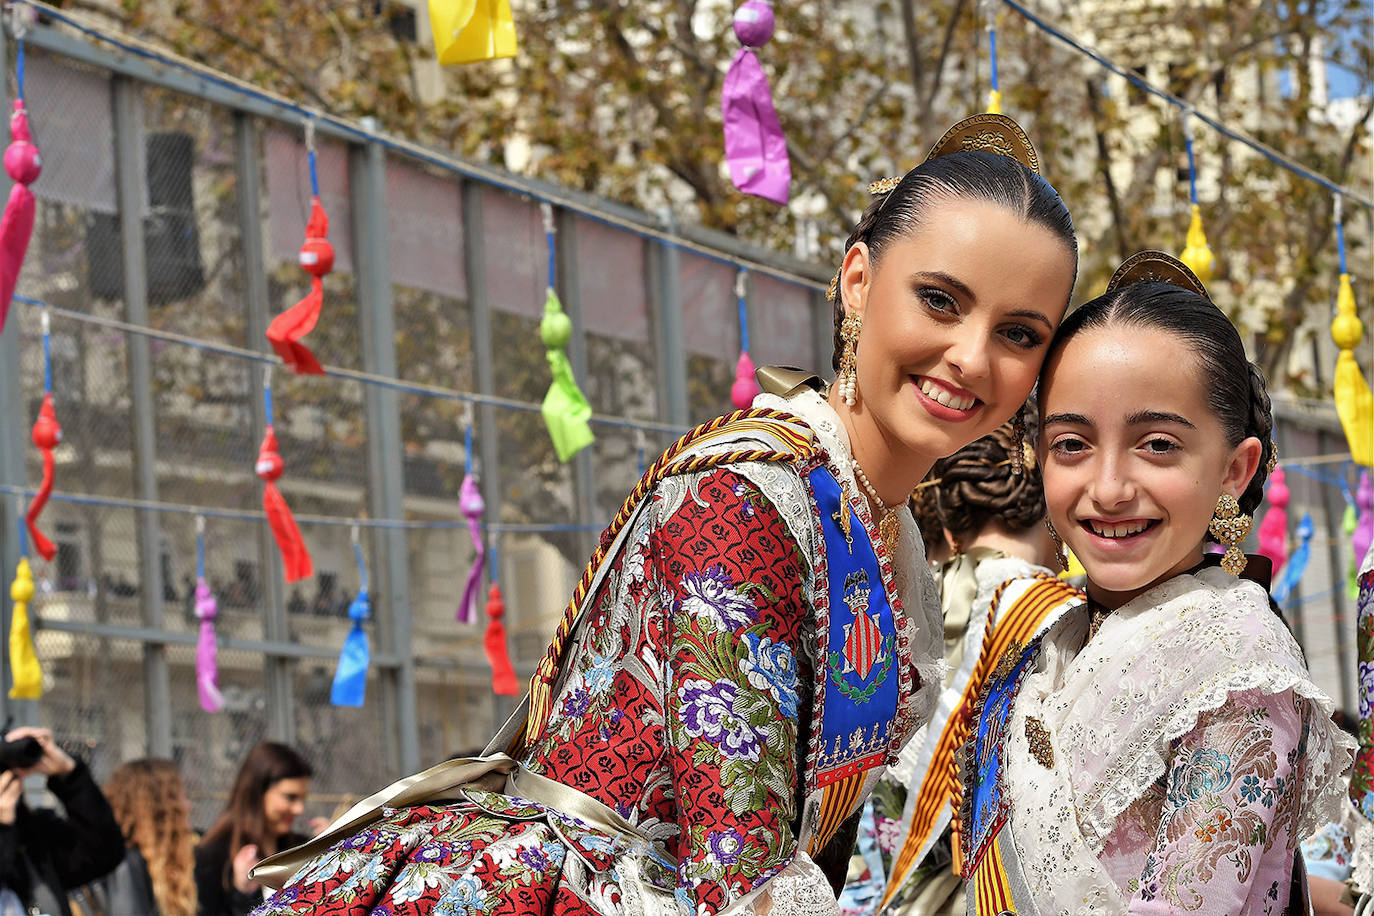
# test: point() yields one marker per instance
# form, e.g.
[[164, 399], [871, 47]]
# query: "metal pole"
[[129, 181], [670, 335], [278, 670], [385, 468], [488, 441], [14, 427]]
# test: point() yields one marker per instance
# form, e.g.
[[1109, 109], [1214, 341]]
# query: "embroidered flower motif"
[[576, 703], [1252, 788], [535, 858], [600, 677], [711, 595], [771, 666], [1202, 773], [708, 712], [463, 898], [725, 845]]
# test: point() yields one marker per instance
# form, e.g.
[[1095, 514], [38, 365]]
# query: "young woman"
[[995, 586], [1164, 750], [681, 750], [149, 801], [268, 795]]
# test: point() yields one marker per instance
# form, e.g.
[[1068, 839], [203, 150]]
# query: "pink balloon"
[[1273, 529], [754, 23], [746, 387]]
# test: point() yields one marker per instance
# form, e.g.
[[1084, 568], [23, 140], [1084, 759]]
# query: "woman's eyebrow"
[[1073, 419], [1157, 416]]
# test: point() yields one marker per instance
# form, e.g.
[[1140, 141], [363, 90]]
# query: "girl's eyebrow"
[[1157, 416], [1073, 419]]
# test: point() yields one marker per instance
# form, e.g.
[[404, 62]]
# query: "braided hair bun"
[[976, 485]]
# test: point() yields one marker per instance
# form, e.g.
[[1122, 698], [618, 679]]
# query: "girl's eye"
[[1068, 445], [939, 300], [1161, 446], [1023, 337]]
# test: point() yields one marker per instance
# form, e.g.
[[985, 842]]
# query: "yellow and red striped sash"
[[940, 787], [991, 889]]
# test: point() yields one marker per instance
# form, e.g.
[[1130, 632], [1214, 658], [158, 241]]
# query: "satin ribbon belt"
[[442, 784]]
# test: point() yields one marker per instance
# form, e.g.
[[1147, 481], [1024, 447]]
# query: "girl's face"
[[957, 317], [283, 802], [1133, 458]]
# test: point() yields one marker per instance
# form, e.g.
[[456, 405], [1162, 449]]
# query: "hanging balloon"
[[1273, 528], [472, 505], [1354, 400], [24, 668], [1297, 565], [565, 409], [350, 677], [503, 682], [47, 435], [23, 165], [755, 148], [269, 466], [746, 386], [287, 329], [466, 31], [1198, 254], [207, 648]]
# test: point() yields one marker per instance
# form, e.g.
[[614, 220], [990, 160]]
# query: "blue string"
[[19, 68], [23, 535], [362, 566], [267, 402], [467, 449], [1192, 169], [314, 175], [200, 554], [1340, 243], [491, 561], [552, 261], [743, 324], [1135, 80], [47, 360], [992, 53]]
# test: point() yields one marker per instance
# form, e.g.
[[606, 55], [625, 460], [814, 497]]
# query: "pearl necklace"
[[889, 525]]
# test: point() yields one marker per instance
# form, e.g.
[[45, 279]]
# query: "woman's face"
[[283, 802], [957, 317], [1134, 460]]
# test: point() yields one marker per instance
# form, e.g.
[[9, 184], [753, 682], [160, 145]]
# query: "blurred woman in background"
[[149, 801]]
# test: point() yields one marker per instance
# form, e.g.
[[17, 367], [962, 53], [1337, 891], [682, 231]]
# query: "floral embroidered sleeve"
[[733, 579], [1225, 839]]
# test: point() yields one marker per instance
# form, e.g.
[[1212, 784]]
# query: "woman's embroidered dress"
[[1172, 765], [699, 702]]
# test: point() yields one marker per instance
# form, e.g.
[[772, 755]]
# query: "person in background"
[[43, 854], [156, 877], [269, 794]]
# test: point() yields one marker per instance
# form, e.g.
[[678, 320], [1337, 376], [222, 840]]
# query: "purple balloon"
[[754, 23]]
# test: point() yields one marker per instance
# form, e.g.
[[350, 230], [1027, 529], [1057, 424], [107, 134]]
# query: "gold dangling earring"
[[849, 341], [1018, 443], [1060, 553], [1230, 527]]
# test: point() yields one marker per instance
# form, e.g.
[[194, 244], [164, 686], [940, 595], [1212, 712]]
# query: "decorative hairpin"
[[990, 133], [883, 185], [1156, 267], [834, 291]]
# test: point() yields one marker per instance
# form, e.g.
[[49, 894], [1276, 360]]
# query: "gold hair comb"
[[990, 133], [1156, 267], [883, 185]]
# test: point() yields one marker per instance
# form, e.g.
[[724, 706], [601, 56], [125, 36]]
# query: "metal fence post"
[[278, 670], [488, 442], [130, 184], [670, 335], [384, 467]]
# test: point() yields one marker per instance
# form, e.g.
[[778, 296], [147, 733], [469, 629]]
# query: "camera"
[[21, 754]]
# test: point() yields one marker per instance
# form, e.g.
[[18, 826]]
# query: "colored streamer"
[[503, 682], [472, 505], [565, 409], [1297, 564], [1354, 400], [295, 557], [350, 678], [23, 165], [467, 31], [207, 648], [746, 386], [47, 435], [755, 148], [28, 676], [287, 329], [1197, 254]]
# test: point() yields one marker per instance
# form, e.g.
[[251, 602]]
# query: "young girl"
[[1163, 750], [757, 636]]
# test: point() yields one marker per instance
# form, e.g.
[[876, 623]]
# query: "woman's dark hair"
[[242, 819], [1235, 387], [965, 175], [976, 486]]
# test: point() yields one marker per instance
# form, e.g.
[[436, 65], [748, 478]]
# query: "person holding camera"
[[44, 854]]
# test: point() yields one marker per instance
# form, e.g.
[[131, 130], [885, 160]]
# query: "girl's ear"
[[856, 274], [1241, 466]]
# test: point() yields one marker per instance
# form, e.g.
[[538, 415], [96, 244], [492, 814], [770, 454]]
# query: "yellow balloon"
[[1198, 255], [1354, 400], [28, 676], [994, 102]]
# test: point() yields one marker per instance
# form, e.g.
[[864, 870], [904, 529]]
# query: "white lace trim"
[[1362, 862], [800, 889]]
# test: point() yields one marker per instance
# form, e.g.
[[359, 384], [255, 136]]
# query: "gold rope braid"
[[780, 424]]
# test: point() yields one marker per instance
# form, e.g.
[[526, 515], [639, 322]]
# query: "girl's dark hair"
[[1235, 387], [976, 486], [965, 175], [242, 819]]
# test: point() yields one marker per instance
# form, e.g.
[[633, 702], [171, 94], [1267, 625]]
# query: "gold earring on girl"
[[849, 341], [1230, 527]]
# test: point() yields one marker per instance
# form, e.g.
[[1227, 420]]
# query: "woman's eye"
[[1160, 446], [939, 300], [1023, 337], [1068, 446]]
